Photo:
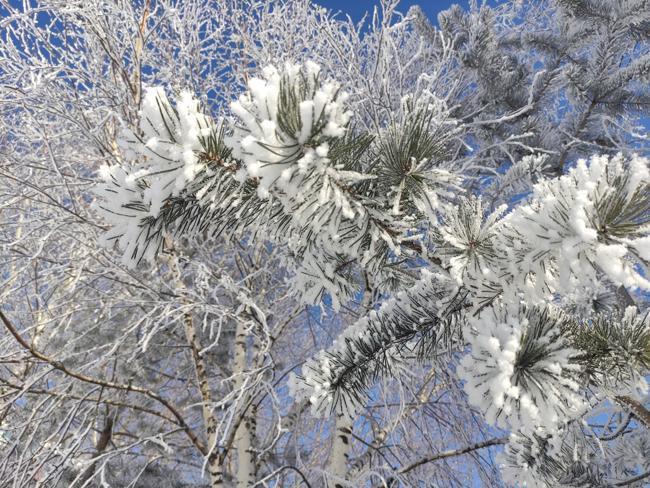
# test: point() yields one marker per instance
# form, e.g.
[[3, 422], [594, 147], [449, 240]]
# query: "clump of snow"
[[562, 237], [520, 370], [284, 120], [161, 160]]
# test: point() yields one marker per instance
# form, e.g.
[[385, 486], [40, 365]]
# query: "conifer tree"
[[476, 195]]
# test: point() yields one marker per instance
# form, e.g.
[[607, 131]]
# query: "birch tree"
[[198, 198]]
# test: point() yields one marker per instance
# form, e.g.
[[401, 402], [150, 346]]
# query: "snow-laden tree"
[[466, 206]]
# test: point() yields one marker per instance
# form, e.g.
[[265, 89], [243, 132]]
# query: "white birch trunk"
[[338, 462], [215, 468], [215, 461], [209, 422], [245, 475]]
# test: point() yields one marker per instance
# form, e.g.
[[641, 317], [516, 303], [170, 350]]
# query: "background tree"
[[333, 185]]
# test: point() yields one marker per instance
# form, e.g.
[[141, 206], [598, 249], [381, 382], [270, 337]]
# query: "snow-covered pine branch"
[[160, 160], [416, 322], [522, 371], [285, 166], [524, 368], [586, 227], [364, 166]]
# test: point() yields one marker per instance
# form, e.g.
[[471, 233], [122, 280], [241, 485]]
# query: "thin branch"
[[636, 407], [454, 452], [278, 471], [633, 480], [107, 384]]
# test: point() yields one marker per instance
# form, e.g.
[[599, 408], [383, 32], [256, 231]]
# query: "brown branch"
[[636, 407], [137, 408], [106, 384], [454, 452], [102, 444], [633, 479]]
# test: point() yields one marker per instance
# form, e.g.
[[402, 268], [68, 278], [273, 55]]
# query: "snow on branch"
[[285, 122], [615, 350], [539, 460], [287, 166], [415, 321], [587, 227], [521, 371], [588, 223], [161, 160], [580, 228]]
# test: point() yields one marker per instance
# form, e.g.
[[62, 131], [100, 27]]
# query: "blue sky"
[[356, 8]]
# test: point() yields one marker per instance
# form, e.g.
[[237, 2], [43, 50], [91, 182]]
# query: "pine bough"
[[508, 294]]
